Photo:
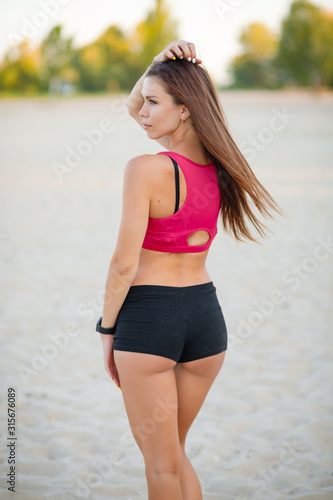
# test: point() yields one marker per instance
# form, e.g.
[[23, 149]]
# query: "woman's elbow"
[[123, 269]]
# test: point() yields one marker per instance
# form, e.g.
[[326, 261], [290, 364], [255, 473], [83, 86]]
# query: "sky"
[[213, 25]]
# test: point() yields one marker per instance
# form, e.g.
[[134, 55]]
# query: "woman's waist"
[[171, 269]]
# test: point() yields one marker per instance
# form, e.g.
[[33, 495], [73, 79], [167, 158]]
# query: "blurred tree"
[[306, 47], [154, 33], [255, 66], [19, 70], [107, 63], [327, 35], [113, 62], [56, 58], [258, 41]]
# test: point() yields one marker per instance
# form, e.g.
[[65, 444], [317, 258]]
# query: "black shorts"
[[180, 323]]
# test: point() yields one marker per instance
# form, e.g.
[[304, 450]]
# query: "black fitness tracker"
[[105, 331]]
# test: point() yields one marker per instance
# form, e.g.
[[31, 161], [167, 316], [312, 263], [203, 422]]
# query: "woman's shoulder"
[[147, 163], [148, 158]]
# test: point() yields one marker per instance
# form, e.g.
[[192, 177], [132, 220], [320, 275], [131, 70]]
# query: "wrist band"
[[105, 331]]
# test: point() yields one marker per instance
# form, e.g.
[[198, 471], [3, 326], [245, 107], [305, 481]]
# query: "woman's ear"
[[184, 114]]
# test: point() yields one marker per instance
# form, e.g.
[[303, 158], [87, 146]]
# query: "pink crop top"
[[199, 211]]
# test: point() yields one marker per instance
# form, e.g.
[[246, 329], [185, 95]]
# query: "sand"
[[265, 430]]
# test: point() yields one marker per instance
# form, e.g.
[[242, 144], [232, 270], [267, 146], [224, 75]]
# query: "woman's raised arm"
[[181, 49]]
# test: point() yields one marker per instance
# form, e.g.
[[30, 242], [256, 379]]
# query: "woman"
[[163, 333]]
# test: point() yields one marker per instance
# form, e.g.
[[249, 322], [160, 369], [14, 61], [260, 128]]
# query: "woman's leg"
[[149, 391], [193, 380]]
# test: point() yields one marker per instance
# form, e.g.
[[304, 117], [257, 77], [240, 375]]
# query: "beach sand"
[[265, 430]]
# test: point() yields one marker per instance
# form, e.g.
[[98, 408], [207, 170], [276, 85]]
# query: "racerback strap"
[[175, 164]]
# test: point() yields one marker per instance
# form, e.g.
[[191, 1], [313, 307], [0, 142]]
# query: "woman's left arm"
[[125, 258]]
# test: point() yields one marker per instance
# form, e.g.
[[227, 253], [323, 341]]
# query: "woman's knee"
[[163, 466]]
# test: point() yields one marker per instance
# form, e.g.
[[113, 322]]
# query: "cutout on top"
[[198, 238]]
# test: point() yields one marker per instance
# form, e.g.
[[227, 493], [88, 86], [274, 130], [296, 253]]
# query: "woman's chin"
[[151, 134]]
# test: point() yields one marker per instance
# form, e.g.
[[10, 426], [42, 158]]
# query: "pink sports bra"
[[199, 212]]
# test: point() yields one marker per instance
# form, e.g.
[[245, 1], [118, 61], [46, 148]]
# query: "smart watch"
[[105, 331]]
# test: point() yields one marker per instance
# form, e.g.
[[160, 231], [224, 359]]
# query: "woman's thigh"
[[149, 391], [193, 380]]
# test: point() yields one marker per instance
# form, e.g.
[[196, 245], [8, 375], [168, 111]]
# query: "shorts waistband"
[[171, 289]]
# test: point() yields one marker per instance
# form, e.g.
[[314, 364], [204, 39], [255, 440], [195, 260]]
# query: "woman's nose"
[[143, 110]]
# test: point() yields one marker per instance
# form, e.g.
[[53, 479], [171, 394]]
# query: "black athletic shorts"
[[180, 323]]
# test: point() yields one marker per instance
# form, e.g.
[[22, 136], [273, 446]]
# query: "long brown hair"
[[191, 85]]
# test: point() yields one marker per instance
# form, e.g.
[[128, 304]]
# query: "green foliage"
[[154, 33], [103, 64], [255, 68], [112, 62], [56, 58], [306, 45], [19, 70], [258, 41], [254, 73], [302, 56]]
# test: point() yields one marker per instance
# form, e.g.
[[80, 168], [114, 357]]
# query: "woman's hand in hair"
[[181, 49]]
